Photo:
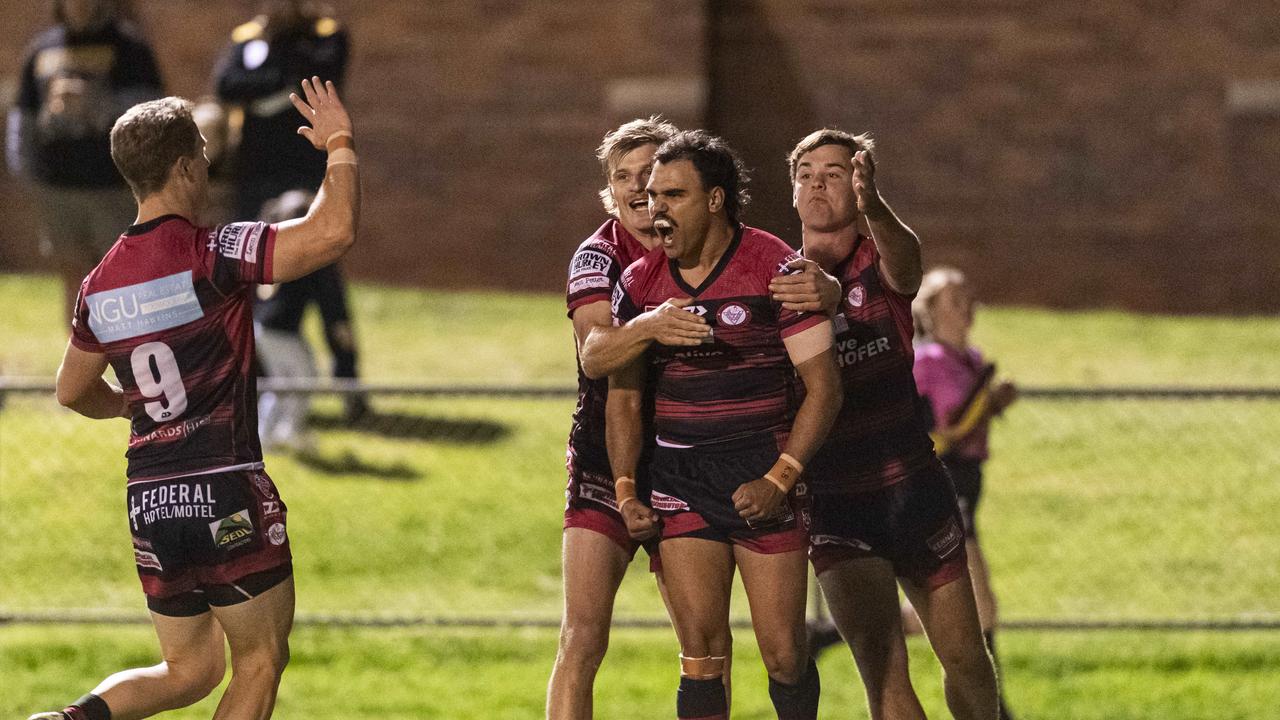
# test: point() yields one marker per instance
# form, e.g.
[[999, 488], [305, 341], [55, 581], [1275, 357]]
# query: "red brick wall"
[[1065, 154]]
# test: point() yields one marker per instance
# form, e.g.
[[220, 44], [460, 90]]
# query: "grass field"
[[1105, 510]]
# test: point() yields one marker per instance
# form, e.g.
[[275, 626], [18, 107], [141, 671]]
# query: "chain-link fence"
[[440, 505]]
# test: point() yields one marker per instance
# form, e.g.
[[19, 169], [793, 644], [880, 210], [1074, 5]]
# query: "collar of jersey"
[[721, 264]]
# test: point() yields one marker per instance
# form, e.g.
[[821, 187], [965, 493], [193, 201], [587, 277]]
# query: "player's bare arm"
[[812, 353], [810, 290], [900, 261], [603, 349], [329, 228], [81, 387], [624, 438]]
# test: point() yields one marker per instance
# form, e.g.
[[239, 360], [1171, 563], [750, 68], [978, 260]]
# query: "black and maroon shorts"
[[915, 524], [214, 539], [693, 493], [591, 504]]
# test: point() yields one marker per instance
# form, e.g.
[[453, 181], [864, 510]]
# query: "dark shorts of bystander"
[[214, 539], [915, 524]]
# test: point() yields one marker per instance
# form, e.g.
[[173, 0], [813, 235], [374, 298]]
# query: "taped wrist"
[[785, 473], [340, 139], [624, 489]]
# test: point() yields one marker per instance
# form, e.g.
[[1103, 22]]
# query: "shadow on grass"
[[405, 426], [348, 463]]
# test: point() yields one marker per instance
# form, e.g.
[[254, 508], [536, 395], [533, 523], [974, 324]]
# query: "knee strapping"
[[709, 667]]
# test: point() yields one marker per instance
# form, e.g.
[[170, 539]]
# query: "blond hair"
[[931, 286], [628, 137]]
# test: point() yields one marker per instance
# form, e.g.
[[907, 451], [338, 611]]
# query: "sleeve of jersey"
[[81, 336], [240, 254], [593, 273], [624, 307], [791, 322]]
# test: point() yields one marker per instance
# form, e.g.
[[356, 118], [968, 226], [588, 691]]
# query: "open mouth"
[[664, 228], [638, 205]]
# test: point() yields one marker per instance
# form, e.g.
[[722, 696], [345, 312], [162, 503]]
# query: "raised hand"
[[864, 184], [322, 109]]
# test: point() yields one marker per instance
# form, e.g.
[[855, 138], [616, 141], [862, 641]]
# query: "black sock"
[[799, 701], [990, 637], [701, 699], [89, 707]]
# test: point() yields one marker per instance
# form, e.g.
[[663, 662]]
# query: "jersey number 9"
[[155, 370]]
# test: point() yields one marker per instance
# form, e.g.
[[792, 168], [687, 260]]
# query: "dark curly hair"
[[718, 165]]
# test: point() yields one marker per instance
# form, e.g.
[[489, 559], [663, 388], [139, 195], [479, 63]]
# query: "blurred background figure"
[[284, 353], [961, 394], [288, 41], [77, 78]]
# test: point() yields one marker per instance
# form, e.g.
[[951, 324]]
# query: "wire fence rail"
[[1119, 508]]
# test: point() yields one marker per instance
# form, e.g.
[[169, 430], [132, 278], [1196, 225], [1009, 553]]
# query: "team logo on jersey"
[[143, 308], [733, 314], [276, 534], [589, 262], [857, 295], [232, 531], [264, 486]]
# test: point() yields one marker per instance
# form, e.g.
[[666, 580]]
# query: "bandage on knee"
[[702, 668]]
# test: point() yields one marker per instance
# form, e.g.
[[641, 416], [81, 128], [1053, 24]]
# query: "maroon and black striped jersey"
[[171, 307], [593, 273], [878, 438], [741, 383]]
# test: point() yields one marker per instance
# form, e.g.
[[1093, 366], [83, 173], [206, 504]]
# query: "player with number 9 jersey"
[[177, 328]]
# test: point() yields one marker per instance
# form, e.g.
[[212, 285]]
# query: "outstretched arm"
[[328, 229], [900, 261]]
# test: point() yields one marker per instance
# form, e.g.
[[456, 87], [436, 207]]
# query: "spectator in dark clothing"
[[284, 353], [78, 77], [290, 40]]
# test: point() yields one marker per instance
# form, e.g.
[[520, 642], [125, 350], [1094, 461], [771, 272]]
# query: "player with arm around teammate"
[[883, 505], [731, 445], [170, 309]]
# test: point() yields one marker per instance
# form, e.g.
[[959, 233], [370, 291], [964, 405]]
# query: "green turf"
[[1098, 510]]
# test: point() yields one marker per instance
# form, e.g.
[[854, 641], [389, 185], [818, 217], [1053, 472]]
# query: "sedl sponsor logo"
[[232, 531]]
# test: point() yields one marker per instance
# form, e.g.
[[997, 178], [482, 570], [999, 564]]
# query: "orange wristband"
[[624, 488], [343, 138], [784, 473]]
